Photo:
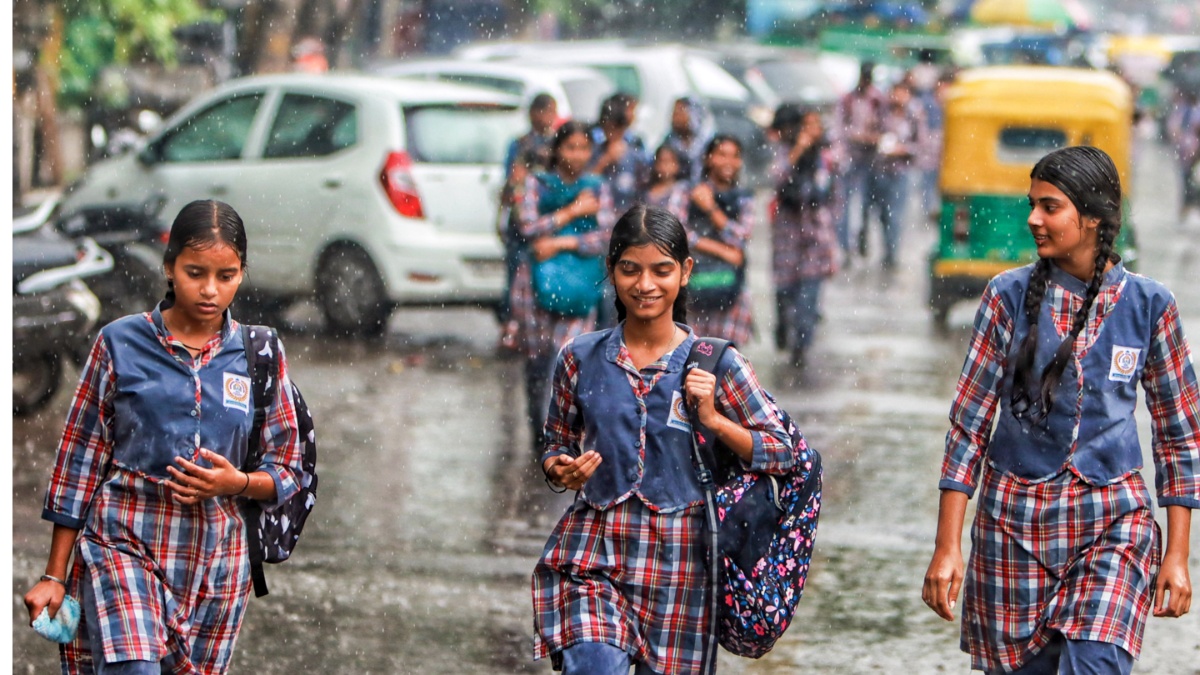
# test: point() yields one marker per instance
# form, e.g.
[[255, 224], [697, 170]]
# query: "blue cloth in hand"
[[62, 627]]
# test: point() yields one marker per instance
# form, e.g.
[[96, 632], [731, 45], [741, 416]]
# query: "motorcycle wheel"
[[35, 381]]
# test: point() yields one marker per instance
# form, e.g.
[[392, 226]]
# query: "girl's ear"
[[687, 271]]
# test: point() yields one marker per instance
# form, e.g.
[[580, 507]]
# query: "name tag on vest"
[[1124, 363], [678, 417], [237, 392]]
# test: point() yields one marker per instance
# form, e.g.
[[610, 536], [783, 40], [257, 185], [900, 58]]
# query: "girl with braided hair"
[[1066, 558]]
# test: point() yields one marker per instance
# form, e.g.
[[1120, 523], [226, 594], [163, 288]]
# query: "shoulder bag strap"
[[706, 354], [262, 384]]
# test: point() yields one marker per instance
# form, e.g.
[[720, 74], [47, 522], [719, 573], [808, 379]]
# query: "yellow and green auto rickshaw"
[[999, 121]]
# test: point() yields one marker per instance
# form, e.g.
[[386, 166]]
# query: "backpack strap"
[[258, 341], [706, 355]]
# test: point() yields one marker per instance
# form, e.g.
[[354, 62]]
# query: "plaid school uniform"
[[1074, 552], [171, 579], [626, 565], [736, 323], [540, 333]]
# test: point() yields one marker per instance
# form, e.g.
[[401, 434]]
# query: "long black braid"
[[1088, 177]]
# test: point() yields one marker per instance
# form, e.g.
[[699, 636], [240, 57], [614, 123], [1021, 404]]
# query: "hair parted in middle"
[[642, 225]]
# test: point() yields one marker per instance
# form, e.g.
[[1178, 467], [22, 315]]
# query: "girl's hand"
[[702, 197], [700, 389], [44, 594], [548, 247], [943, 580], [586, 204], [195, 483], [572, 472], [1173, 589]]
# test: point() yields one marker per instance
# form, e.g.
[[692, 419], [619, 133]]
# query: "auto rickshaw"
[[999, 121]]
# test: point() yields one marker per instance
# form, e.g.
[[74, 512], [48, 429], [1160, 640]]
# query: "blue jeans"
[[854, 184], [1064, 656], [889, 193], [87, 600], [599, 658], [800, 305]]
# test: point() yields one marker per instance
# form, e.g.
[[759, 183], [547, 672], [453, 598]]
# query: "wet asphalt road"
[[432, 511]]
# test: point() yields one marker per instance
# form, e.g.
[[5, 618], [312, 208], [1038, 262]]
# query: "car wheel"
[[35, 381], [351, 293]]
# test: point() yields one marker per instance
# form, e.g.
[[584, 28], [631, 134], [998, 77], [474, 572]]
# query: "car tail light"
[[399, 185]]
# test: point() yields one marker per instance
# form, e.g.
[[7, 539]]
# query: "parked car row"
[[372, 191]]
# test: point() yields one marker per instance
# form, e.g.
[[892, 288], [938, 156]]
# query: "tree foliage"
[[99, 33]]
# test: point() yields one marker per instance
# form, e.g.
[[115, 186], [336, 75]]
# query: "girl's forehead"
[[215, 254], [645, 254]]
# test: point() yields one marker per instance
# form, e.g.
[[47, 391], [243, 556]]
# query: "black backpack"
[[760, 531], [273, 535]]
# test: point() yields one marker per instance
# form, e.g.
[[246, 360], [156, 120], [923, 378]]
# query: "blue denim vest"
[[641, 454], [158, 414], [1099, 424]]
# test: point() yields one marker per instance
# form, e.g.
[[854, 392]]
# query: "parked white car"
[[578, 91], [365, 191], [656, 74]]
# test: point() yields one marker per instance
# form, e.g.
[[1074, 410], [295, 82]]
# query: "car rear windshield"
[[1026, 145], [461, 133]]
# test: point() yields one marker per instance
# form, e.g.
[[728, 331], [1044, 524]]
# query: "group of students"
[[567, 184], [1067, 561]]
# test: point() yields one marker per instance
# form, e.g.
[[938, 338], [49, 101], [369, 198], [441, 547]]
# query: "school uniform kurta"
[[172, 579], [1064, 538], [735, 323], [625, 565], [540, 334]]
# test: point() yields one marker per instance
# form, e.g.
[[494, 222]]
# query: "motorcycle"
[[54, 312]]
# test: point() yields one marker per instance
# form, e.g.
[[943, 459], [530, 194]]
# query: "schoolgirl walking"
[[622, 579], [565, 216], [146, 490], [1066, 563], [720, 221]]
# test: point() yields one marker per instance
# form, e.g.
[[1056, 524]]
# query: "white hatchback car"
[[366, 191]]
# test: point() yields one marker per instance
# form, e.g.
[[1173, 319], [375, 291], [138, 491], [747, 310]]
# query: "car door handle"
[[332, 183], [219, 190]]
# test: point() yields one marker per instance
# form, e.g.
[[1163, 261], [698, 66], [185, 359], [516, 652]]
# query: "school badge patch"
[[1124, 363], [237, 392], [678, 417]]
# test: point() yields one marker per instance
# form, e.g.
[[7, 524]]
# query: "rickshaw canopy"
[[1001, 120]]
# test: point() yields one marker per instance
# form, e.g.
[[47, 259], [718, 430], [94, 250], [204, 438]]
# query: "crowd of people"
[[867, 157]]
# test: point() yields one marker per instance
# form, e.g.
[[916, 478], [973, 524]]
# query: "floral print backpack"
[[760, 533]]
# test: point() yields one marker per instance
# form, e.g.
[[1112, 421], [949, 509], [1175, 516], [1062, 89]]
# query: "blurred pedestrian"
[[668, 187], [620, 157], [563, 211], [1065, 563], [857, 126], [145, 497], [929, 146], [527, 154], [622, 580], [690, 132], [803, 238], [900, 131], [1183, 132], [308, 55], [720, 220]]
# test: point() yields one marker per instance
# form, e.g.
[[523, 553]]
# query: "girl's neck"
[[720, 185], [569, 175], [655, 335], [180, 327]]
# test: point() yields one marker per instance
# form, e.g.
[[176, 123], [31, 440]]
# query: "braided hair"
[[1089, 179]]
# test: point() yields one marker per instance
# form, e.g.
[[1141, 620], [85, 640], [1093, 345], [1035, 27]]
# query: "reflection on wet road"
[[432, 510]]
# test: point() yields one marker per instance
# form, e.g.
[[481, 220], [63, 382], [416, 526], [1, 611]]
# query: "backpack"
[[272, 535], [715, 285], [568, 284], [760, 530]]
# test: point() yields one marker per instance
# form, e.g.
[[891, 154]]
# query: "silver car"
[[364, 191]]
